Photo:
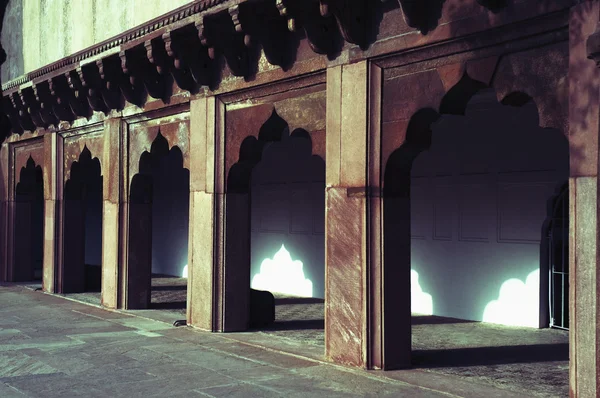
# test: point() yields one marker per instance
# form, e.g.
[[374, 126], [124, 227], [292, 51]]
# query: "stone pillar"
[[584, 128], [5, 206], [203, 286], [114, 214], [356, 331], [52, 174]]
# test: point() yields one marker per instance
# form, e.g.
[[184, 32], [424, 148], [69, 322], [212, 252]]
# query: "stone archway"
[[82, 258], [29, 223], [158, 224], [464, 208], [245, 245]]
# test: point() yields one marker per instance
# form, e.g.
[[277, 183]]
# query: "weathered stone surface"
[[345, 318], [584, 282]]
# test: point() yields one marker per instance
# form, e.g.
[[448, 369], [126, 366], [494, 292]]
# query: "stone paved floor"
[[52, 347], [523, 360]]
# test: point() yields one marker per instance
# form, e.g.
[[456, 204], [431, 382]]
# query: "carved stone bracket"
[[91, 81], [136, 65], [321, 31], [178, 65], [263, 23], [78, 100], [422, 14], [351, 16], [12, 114], [115, 83], [52, 96], [157, 55], [46, 101], [235, 46], [30, 106], [23, 113]]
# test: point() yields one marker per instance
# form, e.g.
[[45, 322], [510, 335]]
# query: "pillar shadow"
[[487, 356]]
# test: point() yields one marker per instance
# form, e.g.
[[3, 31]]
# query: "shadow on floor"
[[171, 305], [436, 320], [168, 288], [296, 325], [482, 356], [298, 300]]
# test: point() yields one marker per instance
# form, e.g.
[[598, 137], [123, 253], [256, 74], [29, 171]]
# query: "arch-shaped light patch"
[[184, 274], [421, 302], [281, 274], [518, 303]]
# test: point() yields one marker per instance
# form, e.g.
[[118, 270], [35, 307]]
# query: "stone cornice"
[[137, 32]]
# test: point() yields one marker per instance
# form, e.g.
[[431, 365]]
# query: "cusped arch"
[[159, 149], [85, 157], [142, 183], [30, 178], [251, 151], [82, 172], [454, 102]]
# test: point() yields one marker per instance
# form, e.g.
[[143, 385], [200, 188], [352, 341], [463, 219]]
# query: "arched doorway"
[[286, 187], [82, 250], [29, 224], [465, 207], [158, 231]]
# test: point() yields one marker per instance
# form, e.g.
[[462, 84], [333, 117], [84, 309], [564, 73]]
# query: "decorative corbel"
[[89, 76], [422, 14], [13, 115], [234, 12], [219, 30], [352, 17], [264, 23], [77, 94], [47, 102], [202, 35], [114, 82], [136, 66], [24, 117], [202, 58], [321, 31], [29, 105], [157, 55], [57, 95], [178, 66]]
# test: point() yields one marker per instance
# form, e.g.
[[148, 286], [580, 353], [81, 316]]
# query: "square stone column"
[[5, 206], [584, 131], [52, 174], [357, 332], [203, 284], [114, 214]]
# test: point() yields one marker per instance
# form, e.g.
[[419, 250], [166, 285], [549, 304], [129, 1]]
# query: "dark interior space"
[[29, 223], [83, 226], [286, 183], [162, 187], [468, 194]]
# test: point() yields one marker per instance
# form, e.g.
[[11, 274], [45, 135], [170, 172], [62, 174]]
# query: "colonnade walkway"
[[51, 347]]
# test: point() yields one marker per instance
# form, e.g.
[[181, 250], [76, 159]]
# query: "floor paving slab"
[[70, 352]]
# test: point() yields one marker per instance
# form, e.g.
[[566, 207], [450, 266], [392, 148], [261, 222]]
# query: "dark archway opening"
[[159, 220], [82, 250], [285, 184], [555, 253], [464, 223], [29, 224]]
